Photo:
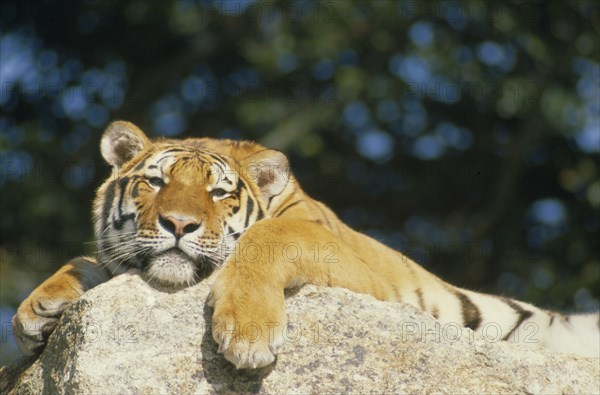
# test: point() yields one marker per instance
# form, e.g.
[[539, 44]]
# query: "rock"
[[126, 337]]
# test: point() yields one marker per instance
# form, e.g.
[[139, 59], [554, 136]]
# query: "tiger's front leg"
[[39, 313], [249, 306], [248, 293]]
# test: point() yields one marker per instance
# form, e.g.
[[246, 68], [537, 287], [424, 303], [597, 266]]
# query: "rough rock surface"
[[127, 337]]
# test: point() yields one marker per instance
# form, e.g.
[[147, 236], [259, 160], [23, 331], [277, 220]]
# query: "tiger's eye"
[[156, 182], [218, 192]]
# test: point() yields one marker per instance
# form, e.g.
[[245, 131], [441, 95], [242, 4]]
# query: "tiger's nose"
[[178, 227]]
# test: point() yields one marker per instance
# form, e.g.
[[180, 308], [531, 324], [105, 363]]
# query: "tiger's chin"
[[173, 268]]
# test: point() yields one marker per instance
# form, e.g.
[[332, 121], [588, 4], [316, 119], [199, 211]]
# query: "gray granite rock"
[[127, 337]]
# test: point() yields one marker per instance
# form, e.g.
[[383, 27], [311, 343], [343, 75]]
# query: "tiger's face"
[[175, 209]]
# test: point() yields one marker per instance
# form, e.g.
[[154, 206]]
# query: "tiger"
[[178, 211]]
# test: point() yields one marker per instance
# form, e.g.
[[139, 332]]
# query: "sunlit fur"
[[128, 231], [178, 209]]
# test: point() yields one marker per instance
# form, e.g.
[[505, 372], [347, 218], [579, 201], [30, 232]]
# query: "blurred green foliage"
[[464, 133]]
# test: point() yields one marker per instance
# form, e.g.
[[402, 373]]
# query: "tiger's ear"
[[269, 170], [122, 141]]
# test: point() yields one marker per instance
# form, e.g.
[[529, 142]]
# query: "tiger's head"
[[174, 209]]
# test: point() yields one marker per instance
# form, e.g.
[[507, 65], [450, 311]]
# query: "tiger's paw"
[[249, 334], [40, 312]]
